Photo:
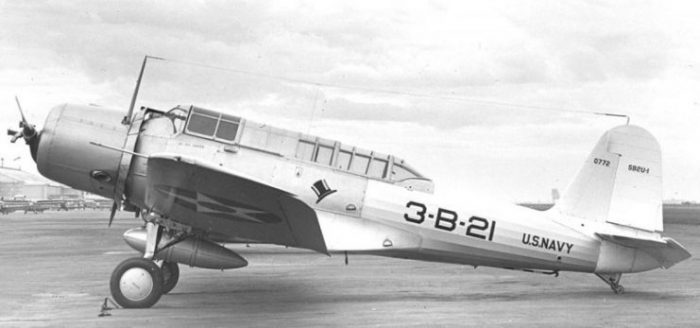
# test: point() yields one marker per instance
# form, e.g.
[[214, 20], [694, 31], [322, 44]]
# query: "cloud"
[[596, 42], [502, 74]]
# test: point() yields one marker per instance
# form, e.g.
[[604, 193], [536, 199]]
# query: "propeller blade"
[[21, 113], [28, 131], [111, 215]]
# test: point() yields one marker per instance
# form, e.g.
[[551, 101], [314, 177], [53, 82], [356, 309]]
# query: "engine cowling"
[[65, 154]]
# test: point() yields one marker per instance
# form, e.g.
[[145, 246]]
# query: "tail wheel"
[[171, 274], [136, 283]]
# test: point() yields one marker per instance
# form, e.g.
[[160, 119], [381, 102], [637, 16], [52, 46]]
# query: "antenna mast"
[[127, 118], [614, 115]]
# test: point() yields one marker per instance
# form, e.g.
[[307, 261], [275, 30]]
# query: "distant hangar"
[[15, 183]]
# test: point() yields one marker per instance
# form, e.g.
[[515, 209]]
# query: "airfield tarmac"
[[55, 270]]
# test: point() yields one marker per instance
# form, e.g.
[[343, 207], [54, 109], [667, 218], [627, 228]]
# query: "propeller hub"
[[28, 132]]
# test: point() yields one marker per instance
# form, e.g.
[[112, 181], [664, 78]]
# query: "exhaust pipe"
[[197, 252]]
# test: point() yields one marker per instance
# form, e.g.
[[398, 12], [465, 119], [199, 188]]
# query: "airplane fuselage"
[[364, 201], [374, 216]]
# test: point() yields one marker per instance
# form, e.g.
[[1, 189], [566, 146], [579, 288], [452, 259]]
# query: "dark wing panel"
[[231, 205]]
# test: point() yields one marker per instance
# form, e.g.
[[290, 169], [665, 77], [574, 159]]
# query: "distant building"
[[18, 183]]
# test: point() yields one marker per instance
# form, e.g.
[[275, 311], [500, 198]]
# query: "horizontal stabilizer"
[[665, 250]]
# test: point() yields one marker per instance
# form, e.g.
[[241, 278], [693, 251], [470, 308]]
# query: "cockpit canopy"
[[212, 125], [234, 130]]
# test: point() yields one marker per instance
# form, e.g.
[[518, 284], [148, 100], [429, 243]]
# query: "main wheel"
[[136, 283], [171, 274]]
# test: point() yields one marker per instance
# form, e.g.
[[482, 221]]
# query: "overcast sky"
[[489, 96]]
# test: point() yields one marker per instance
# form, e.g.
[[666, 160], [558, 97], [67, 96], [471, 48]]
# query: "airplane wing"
[[229, 205]]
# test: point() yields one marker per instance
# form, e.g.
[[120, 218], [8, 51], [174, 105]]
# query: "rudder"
[[620, 182]]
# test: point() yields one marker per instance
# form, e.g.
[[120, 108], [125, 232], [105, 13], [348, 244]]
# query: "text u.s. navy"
[[547, 243]]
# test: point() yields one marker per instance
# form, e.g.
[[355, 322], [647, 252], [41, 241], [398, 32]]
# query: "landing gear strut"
[[613, 280]]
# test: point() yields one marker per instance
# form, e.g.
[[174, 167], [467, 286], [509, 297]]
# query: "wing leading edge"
[[228, 204]]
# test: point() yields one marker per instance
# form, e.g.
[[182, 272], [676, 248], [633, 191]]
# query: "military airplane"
[[9, 206], [201, 178]]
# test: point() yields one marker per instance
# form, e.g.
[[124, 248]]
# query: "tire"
[[136, 283], [171, 274]]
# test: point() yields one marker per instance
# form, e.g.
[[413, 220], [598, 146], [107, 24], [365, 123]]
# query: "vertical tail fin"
[[620, 182]]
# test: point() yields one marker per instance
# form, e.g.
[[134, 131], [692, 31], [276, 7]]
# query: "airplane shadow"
[[289, 296]]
